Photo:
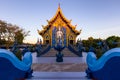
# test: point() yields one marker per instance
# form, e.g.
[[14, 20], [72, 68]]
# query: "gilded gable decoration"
[[59, 26]]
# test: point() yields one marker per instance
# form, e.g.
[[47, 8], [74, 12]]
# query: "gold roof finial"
[[75, 25], [59, 5], [47, 21]]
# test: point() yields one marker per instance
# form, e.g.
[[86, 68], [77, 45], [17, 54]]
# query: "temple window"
[[71, 41], [47, 37]]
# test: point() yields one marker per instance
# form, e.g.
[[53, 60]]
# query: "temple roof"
[[59, 12], [53, 19]]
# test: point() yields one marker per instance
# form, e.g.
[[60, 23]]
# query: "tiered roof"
[[52, 20]]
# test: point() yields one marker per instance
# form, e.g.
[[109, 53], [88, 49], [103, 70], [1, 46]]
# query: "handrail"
[[22, 65], [77, 52], [94, 64], [43, 50]]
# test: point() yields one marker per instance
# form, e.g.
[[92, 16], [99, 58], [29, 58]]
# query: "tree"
[[20, 35], [113, 41], [3, 26], [9, 33]]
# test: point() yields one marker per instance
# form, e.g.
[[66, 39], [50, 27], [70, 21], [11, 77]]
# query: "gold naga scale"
[[56, 26]]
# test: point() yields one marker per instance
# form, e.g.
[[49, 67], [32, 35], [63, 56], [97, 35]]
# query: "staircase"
[[59, 76], [46, 68], [68, 53], [52, 53]]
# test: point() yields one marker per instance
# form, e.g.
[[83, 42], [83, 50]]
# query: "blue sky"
[[96, 18]]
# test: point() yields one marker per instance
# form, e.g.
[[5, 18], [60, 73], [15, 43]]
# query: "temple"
[[59, 27]]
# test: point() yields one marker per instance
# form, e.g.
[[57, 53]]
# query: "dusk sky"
[[96, 18]]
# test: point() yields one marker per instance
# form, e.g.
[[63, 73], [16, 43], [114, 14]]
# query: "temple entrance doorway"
[[47, 41], [59, 33], [71, 42]]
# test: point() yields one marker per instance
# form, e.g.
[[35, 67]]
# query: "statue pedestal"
[[59, 48], [59, 57]]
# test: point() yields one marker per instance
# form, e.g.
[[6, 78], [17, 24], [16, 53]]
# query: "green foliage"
[[113, 41], [9, 33], [99, 53], [31, 48], [19, 37], [19, 54], [91, 42]]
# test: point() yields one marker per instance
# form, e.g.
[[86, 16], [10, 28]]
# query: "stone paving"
[[46, 68], [60, 67]]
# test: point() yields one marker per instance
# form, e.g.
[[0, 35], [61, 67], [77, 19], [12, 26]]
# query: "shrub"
[[19, 54]]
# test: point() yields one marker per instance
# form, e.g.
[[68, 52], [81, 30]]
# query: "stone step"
[[53, 59], [52, 53], [59, 76]]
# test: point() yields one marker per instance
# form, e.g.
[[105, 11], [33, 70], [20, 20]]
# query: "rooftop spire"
[[59, 5]]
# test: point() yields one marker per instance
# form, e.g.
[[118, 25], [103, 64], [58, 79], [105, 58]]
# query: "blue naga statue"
[[107, 67], [59, 47], [11, 68], [15, 47]]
